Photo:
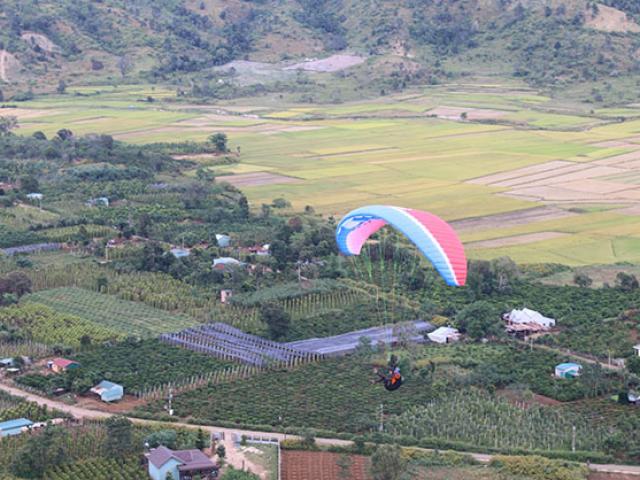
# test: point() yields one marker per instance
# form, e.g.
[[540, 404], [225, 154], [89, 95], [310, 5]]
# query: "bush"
[[540, 468]]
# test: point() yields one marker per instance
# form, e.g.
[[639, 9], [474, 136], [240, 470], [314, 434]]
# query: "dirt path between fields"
[[228, 433]]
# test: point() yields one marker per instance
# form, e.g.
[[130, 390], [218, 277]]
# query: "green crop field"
[[118, 315], [392, 150]]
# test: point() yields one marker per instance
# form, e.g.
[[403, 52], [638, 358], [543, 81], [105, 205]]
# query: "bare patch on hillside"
[[41, 41], [516, 240], [334, 63], [609, 19], [9, 66], [257, 179]]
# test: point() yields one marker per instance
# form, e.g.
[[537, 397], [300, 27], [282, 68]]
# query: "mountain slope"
[[549, 43]]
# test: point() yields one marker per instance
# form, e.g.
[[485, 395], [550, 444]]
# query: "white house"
[[637, 349], [528, 317], [444, 335]]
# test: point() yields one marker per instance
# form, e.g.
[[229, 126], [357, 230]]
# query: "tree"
[[119, 436], [62, 87], [29, 184], [479, 319], [219, 140], [280, 203], [168, 438], [124, 65], [505, 271], [626, 282], [582, 280], [201, 441], [39, 135], [387, 463], [19, 283], [40, 453], [221, 451], [344, 463], [7, 124], [277, 319], [169, 476], [64, 134], [1, 96]]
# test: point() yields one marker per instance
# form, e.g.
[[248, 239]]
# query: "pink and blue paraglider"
[[434, 237]]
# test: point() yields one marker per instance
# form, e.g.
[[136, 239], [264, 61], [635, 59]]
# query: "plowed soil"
[[301, 465]]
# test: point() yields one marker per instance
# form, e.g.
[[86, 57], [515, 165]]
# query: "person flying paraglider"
[[392, 380], [435, 239]]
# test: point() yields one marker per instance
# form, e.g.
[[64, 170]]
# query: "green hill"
[[548, 43]]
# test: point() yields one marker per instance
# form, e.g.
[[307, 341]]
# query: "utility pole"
[[381, 426], [573, 438]]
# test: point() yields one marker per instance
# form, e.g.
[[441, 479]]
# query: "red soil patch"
[[301, 465], [127, 404]]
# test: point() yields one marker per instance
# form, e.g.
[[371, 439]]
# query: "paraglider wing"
[[434, 237]]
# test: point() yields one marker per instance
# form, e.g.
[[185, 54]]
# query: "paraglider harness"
[[393, 379]]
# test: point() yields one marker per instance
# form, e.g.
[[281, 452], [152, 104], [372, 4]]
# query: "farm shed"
[[223, 240], [527, 316], [444, 335], [181, 464], [637, 349], [35, 196], [59, 365], [347, 343], [15, 427], [6, 362], [100, 201], [180, 252], [224, 263], [568, 370], [108, 391]]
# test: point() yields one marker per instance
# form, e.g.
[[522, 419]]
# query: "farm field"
[[111, 312], [302, 465], [411, 150]]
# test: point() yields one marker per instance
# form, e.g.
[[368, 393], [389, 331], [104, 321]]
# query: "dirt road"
[[82, 413]]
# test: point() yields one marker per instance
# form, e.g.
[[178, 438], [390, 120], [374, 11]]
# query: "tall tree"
[[277, 319], [387, 463], [119, 436]]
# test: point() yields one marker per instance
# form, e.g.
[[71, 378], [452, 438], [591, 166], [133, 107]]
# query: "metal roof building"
[[14, 427]]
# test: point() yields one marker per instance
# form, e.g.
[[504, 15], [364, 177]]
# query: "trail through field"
[[576, 356], [82, 413]]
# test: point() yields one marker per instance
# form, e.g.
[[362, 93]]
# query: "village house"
[[60, 365], [181, 464]]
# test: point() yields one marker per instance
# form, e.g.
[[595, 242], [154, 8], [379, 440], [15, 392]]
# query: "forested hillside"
[[549, 43]]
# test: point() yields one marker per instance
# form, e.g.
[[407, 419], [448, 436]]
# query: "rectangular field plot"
[[119, 315]]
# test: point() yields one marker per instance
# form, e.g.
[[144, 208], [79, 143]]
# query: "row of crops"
[[131, 318], [46, 325], [130, 468], [474, 417]]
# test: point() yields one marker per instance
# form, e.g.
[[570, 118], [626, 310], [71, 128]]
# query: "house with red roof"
[[181, 464], [59, 365]]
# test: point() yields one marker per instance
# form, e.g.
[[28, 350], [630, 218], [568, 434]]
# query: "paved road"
[[81, 413]]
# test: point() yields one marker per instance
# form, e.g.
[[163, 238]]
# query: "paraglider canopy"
[[434, 237]]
